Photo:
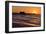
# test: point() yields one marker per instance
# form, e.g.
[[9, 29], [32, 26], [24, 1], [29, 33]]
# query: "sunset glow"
[[17, 9]]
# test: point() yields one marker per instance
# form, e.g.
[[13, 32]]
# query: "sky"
[[26, 9]]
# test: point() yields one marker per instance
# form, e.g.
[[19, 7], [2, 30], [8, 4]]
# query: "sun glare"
[[34, 11]]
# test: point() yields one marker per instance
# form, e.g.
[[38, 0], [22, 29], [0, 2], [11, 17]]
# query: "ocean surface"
[[21, 20]]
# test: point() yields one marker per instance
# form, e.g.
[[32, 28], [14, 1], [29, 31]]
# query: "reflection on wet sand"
[[26, 20]]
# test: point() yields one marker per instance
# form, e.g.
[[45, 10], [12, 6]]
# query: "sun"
[[34, 11]]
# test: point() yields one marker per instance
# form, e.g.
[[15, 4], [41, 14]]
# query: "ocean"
[[24, 20]]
